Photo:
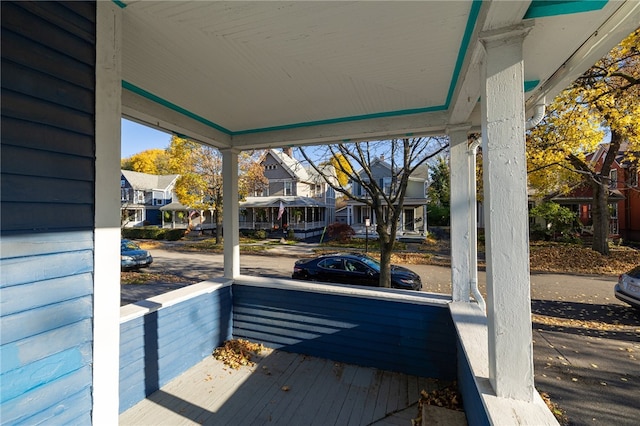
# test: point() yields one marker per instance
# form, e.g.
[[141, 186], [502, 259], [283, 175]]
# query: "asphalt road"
[[586, 342]]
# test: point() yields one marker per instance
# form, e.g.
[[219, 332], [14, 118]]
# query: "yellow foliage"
[[605, 100]]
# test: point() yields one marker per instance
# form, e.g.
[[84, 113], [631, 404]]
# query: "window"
[[139, 197], [633, 177], [288, 188], [331, 264], [355, 266], [613, 176]]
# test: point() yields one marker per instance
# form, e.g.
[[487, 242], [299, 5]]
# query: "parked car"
[[133, 257], [628, 287], [357, 269]]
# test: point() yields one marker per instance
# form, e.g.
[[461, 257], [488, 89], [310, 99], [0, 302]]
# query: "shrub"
[[340, 231], [173, 234], [438, 215], [291, 235], [260, 234], [149, 233], [152, 233]]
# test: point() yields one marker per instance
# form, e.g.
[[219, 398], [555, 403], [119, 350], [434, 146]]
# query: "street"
[[586, 342]]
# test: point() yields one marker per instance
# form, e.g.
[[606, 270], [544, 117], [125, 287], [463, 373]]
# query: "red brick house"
[[624, 196]]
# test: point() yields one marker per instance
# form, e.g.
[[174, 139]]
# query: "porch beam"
[[505, 206], [231, 213], [459, 203]]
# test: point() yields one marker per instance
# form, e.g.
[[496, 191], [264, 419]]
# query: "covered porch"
[[306, 216], [250, 75], [483, 87]]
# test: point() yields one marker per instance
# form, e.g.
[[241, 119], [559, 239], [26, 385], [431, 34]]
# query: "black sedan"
[[133, 257], [355, 269]]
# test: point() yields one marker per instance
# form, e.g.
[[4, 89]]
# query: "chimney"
[[288, 150]]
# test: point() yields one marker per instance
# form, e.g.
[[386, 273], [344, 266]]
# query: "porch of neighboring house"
[[412, 221], [306, 216]]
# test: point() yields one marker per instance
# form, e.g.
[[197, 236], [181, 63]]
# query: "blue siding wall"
[[394, 335], [160, 345], [46, 327], [47, 218]]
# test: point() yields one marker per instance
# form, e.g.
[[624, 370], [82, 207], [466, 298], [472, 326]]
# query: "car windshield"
[[373, 264], [129, 245]]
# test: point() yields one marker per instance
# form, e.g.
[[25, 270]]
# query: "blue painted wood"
[[46, 397], [24, 379], [47, 187], [35, 321], [26, 351], [473, 407], [20, 298], [391, 335], [157, 347], [30, 269]]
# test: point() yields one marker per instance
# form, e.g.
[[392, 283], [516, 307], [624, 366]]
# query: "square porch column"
[[459, 207], [505, 207], [231, 213]]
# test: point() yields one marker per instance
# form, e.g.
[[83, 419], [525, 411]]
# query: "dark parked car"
[[628, 287], [355, 269], [132, 256]]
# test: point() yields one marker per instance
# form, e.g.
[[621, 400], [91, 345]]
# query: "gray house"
[[413, 220], [296, 198], [142, 195], [253, 75]]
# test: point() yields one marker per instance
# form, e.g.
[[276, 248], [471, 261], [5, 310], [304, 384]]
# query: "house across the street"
[[296, 198], [142, 195]]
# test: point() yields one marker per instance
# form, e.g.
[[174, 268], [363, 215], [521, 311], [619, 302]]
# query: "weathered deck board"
[[320, 392]]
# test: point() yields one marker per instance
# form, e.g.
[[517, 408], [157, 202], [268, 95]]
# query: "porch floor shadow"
[[283, 388]]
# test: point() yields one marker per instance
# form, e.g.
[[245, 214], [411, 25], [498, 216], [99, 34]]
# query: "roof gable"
[[146, 181]]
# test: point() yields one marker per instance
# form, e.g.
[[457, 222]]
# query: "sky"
[[137, 138]]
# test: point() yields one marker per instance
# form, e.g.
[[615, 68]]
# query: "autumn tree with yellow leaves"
[[604, 101], [200, 184]]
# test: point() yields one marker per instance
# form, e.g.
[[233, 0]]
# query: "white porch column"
[[106, 294], [459, 203], [231, 213], [505, 208], [425, 230]]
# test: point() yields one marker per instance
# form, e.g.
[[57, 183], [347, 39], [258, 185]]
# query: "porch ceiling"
[[262, 74]]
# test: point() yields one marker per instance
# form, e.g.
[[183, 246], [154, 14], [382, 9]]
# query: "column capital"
[[505, 35], [230, 149]]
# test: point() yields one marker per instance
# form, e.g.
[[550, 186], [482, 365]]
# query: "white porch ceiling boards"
[[259, 74]]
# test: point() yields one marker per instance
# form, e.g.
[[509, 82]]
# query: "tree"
[[385, 201], [340, 163], [151, 161], [252, 178], [199, 186], [439, 189], [558, 219], [602, 102]]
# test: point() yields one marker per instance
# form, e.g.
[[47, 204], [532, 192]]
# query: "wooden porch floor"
[[283, 388]]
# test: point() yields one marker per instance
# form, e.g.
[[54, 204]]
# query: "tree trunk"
[[386, 247], [600, 216], [218, 214]]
